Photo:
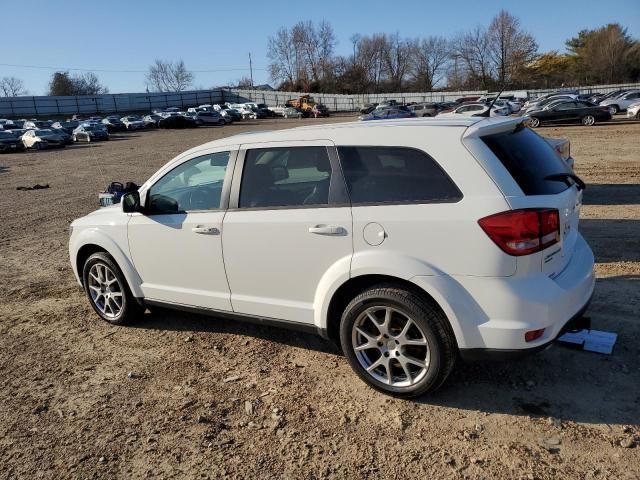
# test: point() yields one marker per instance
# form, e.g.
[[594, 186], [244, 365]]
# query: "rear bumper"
[[578, 322], [494, 313]]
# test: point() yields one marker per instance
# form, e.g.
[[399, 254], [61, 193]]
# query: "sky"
[[119, 39]]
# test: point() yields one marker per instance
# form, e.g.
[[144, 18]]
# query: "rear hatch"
[[546, 182]]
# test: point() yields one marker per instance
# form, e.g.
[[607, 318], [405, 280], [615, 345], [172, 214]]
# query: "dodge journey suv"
[[410, 243]]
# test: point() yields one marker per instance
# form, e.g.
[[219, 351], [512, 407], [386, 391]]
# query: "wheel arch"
[[90, 242], [355, 285]]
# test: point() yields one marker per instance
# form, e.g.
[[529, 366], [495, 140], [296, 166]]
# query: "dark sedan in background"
[[570, 111], [10, 143]]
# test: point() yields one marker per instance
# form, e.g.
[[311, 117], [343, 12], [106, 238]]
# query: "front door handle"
[[327, 230], [205, 230]]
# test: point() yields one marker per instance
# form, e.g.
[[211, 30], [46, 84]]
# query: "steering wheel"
[[200, 199]]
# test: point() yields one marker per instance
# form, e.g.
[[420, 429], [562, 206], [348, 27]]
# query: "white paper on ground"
[[591, 340]]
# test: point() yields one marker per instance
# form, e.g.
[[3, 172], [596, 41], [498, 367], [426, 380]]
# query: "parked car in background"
[[319, 110], [132, 122], [90, 133], [151, 120], [570, 111], [368, 108], [541, 102], [622, 101], [176, 121], [388, 113], [633, 110], [287, 112], [67, 127], [429, 109], [43, 138], [477, 110], [267, 111], [10, 142], [37, 124], [209, 118], [113, 124]]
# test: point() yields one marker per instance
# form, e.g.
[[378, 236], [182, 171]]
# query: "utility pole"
[[251, 70]]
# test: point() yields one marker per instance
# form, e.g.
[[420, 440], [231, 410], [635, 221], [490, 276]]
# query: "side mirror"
[[131, 202]]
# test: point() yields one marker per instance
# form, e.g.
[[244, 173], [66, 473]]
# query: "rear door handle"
[[205, 230], [327, 230]]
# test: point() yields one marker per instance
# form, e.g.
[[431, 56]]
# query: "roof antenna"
[[488, 112]]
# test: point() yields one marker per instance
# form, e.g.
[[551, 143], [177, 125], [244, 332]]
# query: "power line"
[[43, 67]]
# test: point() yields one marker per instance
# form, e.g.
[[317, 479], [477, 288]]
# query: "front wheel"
[[588, 120], [108, 291], [397, 342], [614, 109], [534, 122]]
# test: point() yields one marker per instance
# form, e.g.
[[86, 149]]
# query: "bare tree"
[[303, 54], [472, 50], [12, 87], [166, 76], [88, 84], [283, 57], [431, 56], [510, 48], [396, 57], [62, 84]]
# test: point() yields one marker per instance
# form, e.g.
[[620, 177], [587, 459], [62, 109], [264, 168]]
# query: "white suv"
[[409, 242]]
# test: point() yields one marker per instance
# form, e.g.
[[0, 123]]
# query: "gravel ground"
[[184, 396]]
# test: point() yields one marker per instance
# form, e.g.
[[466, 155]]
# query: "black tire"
[[426, 115], [614, 109], [131, 310], [428, 318], [534, 122]]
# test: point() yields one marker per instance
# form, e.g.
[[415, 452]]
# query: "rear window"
[[395, 175], [529, 159]]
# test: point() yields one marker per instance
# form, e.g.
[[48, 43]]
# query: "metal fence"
[[49, 107]]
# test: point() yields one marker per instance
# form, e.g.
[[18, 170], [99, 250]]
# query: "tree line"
[[302, 58]]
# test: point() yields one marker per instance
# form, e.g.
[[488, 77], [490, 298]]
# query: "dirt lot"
[[82, 399]]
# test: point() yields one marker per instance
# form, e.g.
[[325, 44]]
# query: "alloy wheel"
[[588, 120], [105, 290], [390, 346]]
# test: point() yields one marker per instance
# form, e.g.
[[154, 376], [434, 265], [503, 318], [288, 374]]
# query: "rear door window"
[[529, 159], [395, 175]]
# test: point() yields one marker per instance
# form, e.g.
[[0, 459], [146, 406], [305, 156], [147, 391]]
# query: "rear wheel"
[[534, 122], [426, 115], [221, 123], [397, 342], [39, 146], [588, 120], [614, 109], [108, 291]]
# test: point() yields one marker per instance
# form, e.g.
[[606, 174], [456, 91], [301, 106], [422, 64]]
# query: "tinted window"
[[395, 174], [193, 185], [565, 106], [529, 159], [281, 177]]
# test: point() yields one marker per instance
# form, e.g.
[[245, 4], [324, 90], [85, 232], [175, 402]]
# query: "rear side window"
[[395, 175], [529, 159]]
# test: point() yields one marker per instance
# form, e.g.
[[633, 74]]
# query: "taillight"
[[525, 231]]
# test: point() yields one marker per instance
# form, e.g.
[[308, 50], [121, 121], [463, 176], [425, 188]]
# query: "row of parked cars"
[[19, 135], [555, 107]]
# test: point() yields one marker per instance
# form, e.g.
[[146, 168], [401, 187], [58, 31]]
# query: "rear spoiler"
[[493, 125]]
